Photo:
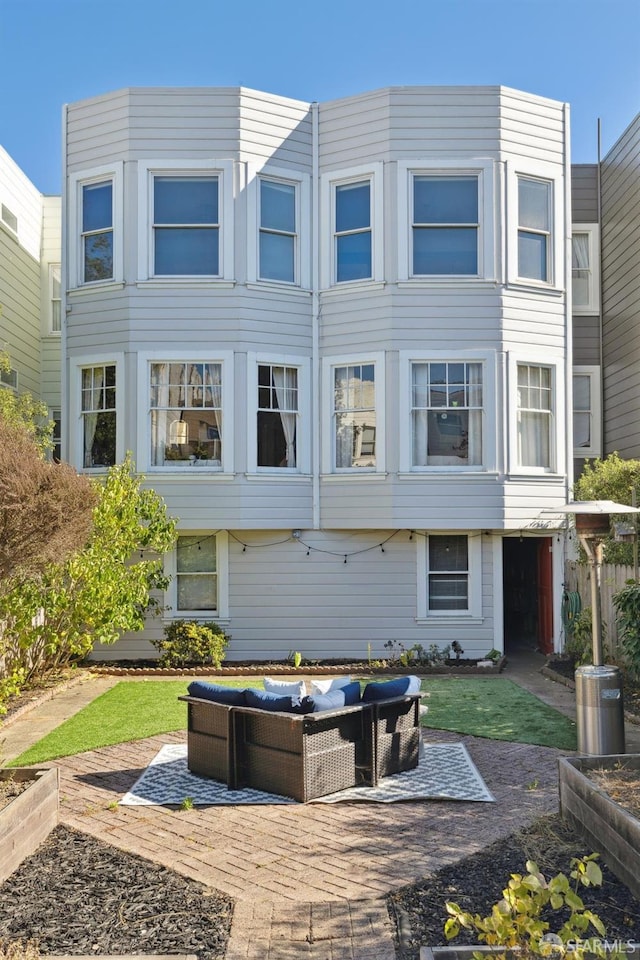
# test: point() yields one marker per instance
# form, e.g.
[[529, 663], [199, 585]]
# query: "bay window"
[[97, 231], [186, 414], [98, 414], [277, 416], [352, 231], [535, 409], [186, 225], [445, 225], [446, 414], [535, 199], [278, 231], [354, 416]]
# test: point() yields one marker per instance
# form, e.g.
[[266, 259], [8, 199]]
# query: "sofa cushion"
[[325, 686], [386, 689], [272, 701], [347, 696], [233, 696], [285, 688]]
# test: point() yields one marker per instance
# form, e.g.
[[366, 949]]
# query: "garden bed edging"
[[28, 818]]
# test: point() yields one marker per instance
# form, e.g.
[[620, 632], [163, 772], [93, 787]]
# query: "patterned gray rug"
[[445, 772]]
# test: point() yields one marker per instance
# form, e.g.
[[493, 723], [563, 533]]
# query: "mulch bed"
[[563, 670], [77, 895], [476, 883]]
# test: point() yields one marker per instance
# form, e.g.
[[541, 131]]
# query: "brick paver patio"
[[309, 880]]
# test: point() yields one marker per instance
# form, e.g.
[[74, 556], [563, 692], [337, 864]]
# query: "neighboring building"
[[29, 287], [336, 338]]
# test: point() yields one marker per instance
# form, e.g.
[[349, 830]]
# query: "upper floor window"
[[278, 231], [353, 241], [535, 416], [186, 226], [186, 414], [97, 231], [55, 316], [56, 436], [445, 225], [96, 216], [98, 414], [446, 414], [354, 416], [584, 270], [8, 217], [278, 411], [534, 229], [587, 426]]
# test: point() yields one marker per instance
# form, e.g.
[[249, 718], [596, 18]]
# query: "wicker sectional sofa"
[[303, 756]]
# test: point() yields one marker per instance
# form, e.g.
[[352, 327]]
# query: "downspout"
[[600, 286], [315, 315], [568, 310], [64, 387]]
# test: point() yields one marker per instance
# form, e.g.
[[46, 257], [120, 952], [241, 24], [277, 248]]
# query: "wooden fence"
[[614, 577]]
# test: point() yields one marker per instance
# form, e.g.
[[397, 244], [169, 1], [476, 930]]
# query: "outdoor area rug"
[[445, 772]]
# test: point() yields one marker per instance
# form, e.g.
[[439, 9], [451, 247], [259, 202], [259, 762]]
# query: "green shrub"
[[579, 645], [627, 604], [192, 643]]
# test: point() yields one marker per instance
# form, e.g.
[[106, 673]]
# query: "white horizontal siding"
[[283, 600]]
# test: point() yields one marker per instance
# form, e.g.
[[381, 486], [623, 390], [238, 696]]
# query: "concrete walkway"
[[309, 880]]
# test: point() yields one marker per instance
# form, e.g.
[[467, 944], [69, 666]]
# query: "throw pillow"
[[325, 686], [284, 688], [347, 696], [270, 701], [390, 688], [232, 696]]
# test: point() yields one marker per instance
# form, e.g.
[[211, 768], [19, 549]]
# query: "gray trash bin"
[[600, 711]]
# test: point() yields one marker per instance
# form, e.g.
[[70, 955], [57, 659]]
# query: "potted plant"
[[521, 922]]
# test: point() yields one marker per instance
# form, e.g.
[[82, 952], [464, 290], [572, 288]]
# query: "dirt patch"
[[620, 783], [10, 788]]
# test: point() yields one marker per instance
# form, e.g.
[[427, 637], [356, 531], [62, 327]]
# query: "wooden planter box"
[[610, 829], [29, 817]]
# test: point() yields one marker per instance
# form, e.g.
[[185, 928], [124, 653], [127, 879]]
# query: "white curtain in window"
[[533, 439], [475, 416], [580, 251], [421, 416], [160, 415], [91, 418], [283, 381]]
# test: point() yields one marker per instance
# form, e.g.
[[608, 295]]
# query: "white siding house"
[[29, 285], [336, 338]]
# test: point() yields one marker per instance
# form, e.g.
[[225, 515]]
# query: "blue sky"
[[57, 51]]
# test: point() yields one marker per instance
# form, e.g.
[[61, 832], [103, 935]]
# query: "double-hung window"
[[198, 573], [584, 269], [445, 225], [186, 414], [446, 414], [587, 425], [186, 225], [448, 574], [277, 416], [98, 414], [97, 231], [354, 416], [535, 412], [535, 199], [353, 231], [278, 232], [55, 316]]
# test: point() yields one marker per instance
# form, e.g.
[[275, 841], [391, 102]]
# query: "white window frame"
[[374, 174], [484, 171], [51, 330], [474, 609], [592, 232], [147, 171], [487, 359], [76, 420], [557, 415], [222, 575], [552, 175], [143, 449], [595, 447], [115, 173], [377, 358], [302, 184], [303, 429]]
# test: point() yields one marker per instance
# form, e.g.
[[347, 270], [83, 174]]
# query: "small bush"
[[191, 643], [579, 645], [627, 604]]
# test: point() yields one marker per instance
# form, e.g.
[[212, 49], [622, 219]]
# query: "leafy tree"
[[32, 415], [97, 594], [610, 479]]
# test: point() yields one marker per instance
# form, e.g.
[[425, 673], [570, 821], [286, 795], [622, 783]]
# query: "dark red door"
[[545, 595]]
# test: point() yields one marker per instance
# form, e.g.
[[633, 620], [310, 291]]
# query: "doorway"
[[528, 593]]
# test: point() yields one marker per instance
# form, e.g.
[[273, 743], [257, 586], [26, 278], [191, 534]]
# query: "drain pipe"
[[315, 314]]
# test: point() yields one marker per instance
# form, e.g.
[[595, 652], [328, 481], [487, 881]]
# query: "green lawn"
[[131, 710]]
